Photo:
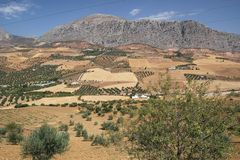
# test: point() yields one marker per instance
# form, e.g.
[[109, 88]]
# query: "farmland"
[[101, 88]]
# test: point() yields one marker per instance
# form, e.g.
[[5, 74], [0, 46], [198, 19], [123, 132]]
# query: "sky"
[[33, 18]]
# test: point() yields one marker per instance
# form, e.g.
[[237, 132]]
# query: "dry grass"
[[33, 117], [216, 67], [101, 75], [67, 64], [104, 98], [139, 63], [58, 88], [56, 100]]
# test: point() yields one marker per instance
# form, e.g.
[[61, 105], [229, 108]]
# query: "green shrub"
[[89, 118], [3, 131], [78, 133], [110, 126], [73, 105], [100, 140], [14, 133], [71, 123], [110, 117], [115, 138], [44, 142], [14, 137], [120, 120], [63, 127], [85, 135], [95, 123], [78, 126], [21, 105], [91, 137], [86, 114]]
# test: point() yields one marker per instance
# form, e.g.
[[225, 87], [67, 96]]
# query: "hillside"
[[113, 31], [7, 39]]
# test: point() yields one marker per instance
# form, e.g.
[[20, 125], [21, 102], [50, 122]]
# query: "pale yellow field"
[[139, 63], [67, 64], [104, 98], [120, 85], [100, 75], [224, 85], [57, 88], [214, 66], [163, 63], [56, 100]]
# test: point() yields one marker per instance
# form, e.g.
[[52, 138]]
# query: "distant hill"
[[7, 40], [113, 31]]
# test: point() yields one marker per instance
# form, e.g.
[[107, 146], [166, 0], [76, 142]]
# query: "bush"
[[86, 114], [110, 126], [89, 118], [14, 137], [78, 126], [3, 131], [44, 142], [63, 127], [21, 105], [71, 123], [115, 138], [85, 135], [79, 133], [120, 120], [100, 140], [73, 105], [14, 132], [110, 117], [95, 123]]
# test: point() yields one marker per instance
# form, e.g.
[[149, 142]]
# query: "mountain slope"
[[7, 39], [113, 31]]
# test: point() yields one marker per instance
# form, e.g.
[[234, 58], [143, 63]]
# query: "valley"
[[104, 87]]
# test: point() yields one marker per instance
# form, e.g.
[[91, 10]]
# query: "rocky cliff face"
[[113, 31]]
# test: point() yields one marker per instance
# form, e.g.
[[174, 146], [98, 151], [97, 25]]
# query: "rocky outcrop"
[[113, 31]]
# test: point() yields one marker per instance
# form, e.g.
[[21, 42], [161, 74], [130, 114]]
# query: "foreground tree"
[[182, 125], [45, 142]]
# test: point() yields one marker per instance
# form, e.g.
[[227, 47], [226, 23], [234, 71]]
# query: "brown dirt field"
[[67, 64], [58, 88], [33, 117]]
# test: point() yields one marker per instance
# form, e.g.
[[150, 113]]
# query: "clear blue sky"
[[35, 17]]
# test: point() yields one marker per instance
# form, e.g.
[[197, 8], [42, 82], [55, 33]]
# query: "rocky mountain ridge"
[[112, 31]]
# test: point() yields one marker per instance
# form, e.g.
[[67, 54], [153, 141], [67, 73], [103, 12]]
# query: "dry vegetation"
[[142, 67]]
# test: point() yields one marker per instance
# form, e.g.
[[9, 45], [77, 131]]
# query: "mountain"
[[7, 40], [113, 31]]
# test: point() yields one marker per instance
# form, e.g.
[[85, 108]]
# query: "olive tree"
[[182, 125], [44, 142]]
